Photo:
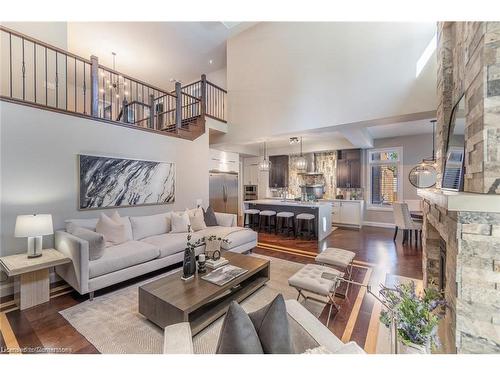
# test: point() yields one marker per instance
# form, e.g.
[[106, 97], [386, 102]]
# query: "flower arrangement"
[[417, 316]]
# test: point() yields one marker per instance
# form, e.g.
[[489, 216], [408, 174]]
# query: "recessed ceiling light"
[[429, 50], [210, 61]]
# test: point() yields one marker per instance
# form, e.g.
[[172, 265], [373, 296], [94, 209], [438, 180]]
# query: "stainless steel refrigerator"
[[223, 192]]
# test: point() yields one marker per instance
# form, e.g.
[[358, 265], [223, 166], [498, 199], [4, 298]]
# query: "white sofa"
[[306, 331], [137, 256]]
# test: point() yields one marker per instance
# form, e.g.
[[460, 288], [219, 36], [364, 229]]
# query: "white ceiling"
[[400, 129], [155, 52]]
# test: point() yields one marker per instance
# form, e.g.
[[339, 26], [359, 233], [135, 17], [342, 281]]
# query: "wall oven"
[[249, 192]]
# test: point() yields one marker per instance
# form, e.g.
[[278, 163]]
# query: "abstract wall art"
[[107, 182]]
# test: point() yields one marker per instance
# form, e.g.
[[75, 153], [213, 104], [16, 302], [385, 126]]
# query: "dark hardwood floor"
[[376, 257]]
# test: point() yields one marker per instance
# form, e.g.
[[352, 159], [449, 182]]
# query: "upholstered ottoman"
[[340, 258], [319, 280]]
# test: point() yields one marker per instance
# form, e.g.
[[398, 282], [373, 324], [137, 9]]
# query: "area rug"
[[112, 323]]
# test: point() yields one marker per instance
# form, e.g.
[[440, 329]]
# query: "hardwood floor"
[[376, 256]]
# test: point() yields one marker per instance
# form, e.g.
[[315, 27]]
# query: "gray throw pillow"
[[238, 335], [96, 241], [209, 216], [271, 324]]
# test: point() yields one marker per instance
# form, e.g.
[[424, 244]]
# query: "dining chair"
[[404, 221]]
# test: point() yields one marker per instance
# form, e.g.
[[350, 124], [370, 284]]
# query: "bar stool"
[[266, 218], [307, 219], [285, 222], [253, 218]]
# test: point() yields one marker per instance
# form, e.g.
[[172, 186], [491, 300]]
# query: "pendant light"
[[265, 164], [431, 160], [301, 162]]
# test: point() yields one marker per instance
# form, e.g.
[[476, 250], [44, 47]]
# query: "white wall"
[[290, 77], [218, 77], [54, 33], [39, 165]]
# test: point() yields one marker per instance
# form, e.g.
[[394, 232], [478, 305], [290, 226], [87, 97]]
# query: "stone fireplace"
[[461, 230]]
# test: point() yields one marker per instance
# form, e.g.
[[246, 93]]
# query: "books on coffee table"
[[213, 264], [224, 274]]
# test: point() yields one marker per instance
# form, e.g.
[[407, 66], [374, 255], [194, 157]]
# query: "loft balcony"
[[37, 74]]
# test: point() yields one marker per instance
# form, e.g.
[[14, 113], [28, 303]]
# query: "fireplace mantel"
[[460, 201]]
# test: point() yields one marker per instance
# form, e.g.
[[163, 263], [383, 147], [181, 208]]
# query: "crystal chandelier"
[[265, 164], [301, 162]]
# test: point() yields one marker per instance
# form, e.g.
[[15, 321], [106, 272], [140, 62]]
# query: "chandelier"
[[116, 83], [265, 164]]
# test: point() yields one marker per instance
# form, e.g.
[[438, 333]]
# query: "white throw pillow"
[[197, 219], [114, 232], [152, 225], [125, 221], [180, 222]]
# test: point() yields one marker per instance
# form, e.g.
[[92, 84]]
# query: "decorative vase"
[[410, 348], [189, 264]]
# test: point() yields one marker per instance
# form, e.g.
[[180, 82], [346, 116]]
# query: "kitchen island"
[[321, 210]]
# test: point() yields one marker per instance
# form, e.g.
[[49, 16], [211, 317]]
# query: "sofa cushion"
[[239, 238], [96, 241], [171, 243], [209, 216], [114, 232], [196, 219], [180, 222], [151, 225], [238, 334], [122, 256], [271, 324], [125, 220]]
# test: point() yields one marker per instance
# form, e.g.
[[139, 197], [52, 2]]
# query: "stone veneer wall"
[[468, 63], [326, 163]]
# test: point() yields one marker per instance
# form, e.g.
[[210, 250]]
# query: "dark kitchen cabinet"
[[278, 174], [349, 168]]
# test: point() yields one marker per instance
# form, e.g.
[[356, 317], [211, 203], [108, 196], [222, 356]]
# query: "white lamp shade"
[[33, 225]]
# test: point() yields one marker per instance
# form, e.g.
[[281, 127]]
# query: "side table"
[[31, 282]]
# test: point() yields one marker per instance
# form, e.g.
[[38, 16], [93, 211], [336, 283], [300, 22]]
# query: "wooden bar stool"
[[267, 218], [308, 220], [285, 223], [251, 218]]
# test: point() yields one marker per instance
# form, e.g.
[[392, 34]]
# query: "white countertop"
[[278, 202], [341, 200]]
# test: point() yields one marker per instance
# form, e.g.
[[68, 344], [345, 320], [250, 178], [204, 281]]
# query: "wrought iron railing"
[[36, 73]]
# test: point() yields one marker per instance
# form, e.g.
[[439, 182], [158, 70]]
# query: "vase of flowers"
[[416, 317], [189, 262]]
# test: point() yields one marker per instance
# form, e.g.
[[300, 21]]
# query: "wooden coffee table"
[[170, 300]]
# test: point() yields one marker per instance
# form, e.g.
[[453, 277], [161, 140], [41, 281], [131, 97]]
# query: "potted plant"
[[416, 316]]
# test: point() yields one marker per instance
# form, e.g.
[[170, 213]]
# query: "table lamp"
[[34, 227]]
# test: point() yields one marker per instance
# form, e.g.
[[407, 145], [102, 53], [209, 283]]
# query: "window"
[[384, 176]]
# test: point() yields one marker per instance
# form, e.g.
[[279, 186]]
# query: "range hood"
[[311, 165]]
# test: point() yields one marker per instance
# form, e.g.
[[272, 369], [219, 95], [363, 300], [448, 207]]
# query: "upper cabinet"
[[251, 174], [278, 174], [349, 168]]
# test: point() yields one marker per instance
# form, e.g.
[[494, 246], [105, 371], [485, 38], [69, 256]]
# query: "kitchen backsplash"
[[325, 163]]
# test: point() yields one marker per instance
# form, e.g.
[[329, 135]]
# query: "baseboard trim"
[[378, 224]]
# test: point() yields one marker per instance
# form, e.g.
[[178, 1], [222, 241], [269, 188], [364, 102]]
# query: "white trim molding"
[[379, 224]]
